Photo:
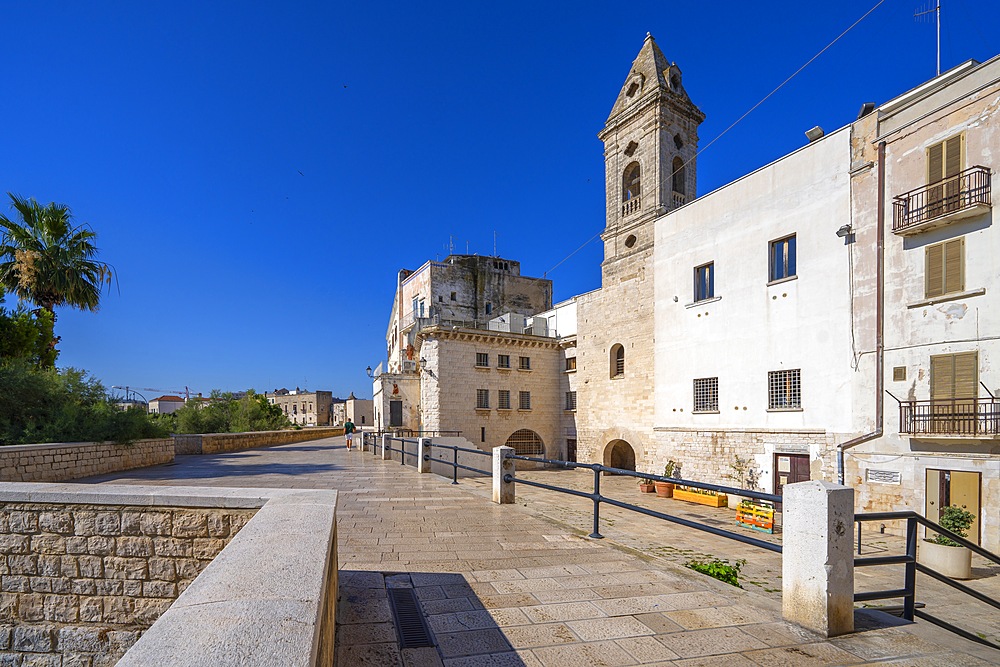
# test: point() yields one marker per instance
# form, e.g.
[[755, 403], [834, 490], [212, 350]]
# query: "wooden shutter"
[[954, 265], [966, 375], [942, 376], [935, 163], [934, 271], [952, 156]]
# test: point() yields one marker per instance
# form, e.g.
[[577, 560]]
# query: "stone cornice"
[[488, 336]]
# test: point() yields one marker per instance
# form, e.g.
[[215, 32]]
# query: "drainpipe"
[[879, 323]]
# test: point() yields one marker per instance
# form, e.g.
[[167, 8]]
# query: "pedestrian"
[[349, 429]]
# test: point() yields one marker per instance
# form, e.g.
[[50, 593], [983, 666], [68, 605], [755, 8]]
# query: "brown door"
[[789, 469], [571, 449], [953, 487]]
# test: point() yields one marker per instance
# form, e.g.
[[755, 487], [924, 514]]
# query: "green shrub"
[[722, 570], [958, 521]]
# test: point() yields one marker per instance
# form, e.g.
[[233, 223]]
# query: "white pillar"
[[503, 492], [385, 446], [817, 559], [423, 447]]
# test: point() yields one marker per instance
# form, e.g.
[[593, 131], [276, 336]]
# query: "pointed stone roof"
[[651, 72]]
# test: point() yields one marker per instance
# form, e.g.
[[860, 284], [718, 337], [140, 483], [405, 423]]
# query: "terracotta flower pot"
[[664, 489], [647, 488]]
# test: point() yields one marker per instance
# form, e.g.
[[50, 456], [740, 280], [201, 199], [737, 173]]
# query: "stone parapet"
[[214, 443], [56, 462]]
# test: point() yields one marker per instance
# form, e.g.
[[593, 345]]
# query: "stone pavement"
[[505, 585]]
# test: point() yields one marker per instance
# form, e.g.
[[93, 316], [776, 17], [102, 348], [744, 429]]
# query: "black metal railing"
[[455, 465], [955, 193], [953, 416], [402, 448], [598, 499], [911, 567]]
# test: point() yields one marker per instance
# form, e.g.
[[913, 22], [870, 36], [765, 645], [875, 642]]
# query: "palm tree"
[[46, 260]]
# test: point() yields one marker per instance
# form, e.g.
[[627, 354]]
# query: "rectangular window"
[[571, 363], [524, 363], [483, 399], [784, 390], [524, 400], [503, 361], [782, 258], [944, 268], [482, 359], [571, 400], [954, 376], [482, 434], [704, 282], [706, 395], [503, 399]]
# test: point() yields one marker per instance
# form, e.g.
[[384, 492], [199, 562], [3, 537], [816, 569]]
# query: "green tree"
[[227, 413], [48, 261], [26, 335]]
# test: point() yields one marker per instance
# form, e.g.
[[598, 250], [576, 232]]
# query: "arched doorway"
[[619, 454], [526, 443]]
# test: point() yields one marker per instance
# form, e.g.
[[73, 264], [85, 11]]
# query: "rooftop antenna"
[[451, 244], [466, 247], [495, 243], [936, 10]]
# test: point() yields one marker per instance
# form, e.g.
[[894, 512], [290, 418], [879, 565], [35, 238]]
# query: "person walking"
[[349, 429]]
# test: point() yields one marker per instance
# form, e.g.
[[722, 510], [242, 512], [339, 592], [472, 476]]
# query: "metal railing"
[[955, 193], [598, 499], [953, 416], [402, 448], [455, 465], [911, 567]]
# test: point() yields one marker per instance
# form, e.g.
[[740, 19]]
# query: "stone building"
[[305, 408], [359, 410], [164, 405]]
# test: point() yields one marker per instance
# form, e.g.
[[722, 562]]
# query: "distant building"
[[359, 410], [164, 405], [305, 408]]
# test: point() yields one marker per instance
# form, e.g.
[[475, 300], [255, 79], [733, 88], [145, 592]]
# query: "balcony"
[[679, 199], [961, 196], [957, 417], [631, 206]]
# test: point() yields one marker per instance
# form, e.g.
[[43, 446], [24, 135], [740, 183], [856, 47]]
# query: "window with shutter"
[[954, 388], [944, 161], [944, 270]]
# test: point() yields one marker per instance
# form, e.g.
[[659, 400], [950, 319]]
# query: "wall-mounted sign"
[[884, 476]]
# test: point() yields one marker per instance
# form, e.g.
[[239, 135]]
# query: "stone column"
[[385, 446], [817, 559], [423, 447], [503, 492]]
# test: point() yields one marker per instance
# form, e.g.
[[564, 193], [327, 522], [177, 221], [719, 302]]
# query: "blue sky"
[[257, 174]]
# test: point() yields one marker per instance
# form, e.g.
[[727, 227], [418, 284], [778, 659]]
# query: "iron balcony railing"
[[975, 417], [956, 193]]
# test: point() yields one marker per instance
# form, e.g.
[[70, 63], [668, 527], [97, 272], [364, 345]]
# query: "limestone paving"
[[507, 585]]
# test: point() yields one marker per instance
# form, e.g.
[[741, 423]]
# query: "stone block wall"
[[80, 583], [55, 462], [214, 443]]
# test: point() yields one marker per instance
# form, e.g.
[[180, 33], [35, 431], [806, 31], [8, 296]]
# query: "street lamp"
[[369, 372]]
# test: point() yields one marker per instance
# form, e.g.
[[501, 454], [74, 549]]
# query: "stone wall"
[[213, 443], [79, 583], [55, 462]]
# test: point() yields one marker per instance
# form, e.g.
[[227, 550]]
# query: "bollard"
[[423, 449], [386, 439], [817, 560], [503, 465]]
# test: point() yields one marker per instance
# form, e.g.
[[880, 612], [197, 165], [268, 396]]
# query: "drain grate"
[[410, 624]]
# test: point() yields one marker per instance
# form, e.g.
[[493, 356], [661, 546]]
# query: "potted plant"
[[646, 485], [745, 473], [672, 470], [945, 555], [701, 496]]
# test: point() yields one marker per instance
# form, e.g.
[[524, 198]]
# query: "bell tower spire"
[[650, 142]]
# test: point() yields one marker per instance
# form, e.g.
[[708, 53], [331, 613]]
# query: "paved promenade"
[[506, 585]]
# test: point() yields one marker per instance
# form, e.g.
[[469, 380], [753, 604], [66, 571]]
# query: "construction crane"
[[135, 390]]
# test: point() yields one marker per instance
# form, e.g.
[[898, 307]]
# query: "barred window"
[[706, 395], [524, 363], [571, 363], [571, 400], [524, 400], [503, 361], [526, 443], [617, 361], [482, 359], [503, 399], [483, 398], [784, 390]]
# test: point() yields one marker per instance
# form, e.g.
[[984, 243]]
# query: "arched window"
[[617, 361], [630, 182], [526, 443], [678, 176]]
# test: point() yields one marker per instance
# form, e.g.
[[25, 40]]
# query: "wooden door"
[[789, 469], [952, 487]]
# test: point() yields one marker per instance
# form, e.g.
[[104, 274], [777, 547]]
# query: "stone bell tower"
[[650, 142]]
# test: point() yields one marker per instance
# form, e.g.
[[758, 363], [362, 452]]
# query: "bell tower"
[[650, 142]]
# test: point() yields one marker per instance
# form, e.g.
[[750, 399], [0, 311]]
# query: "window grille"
[[782, 258], [524, 400], [784, 390], [482, 359], [526, 443], [483, 398], [503, 361], [503, 399], [618, 361], [571, 400], [706, 395], [524, 363]]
